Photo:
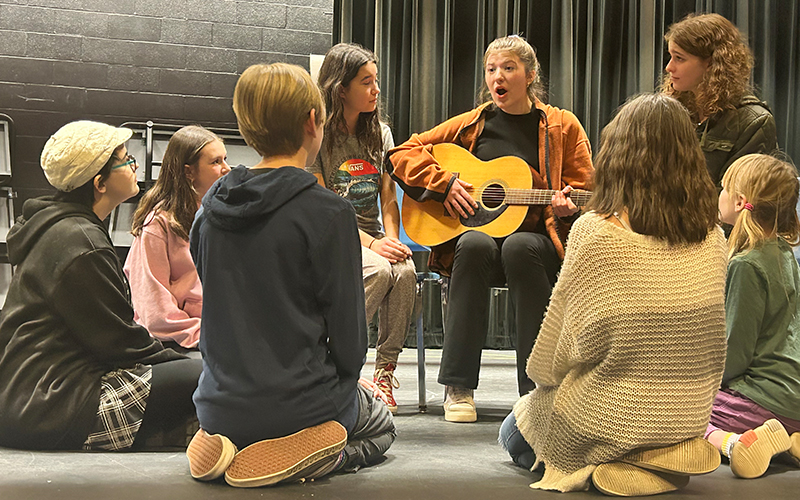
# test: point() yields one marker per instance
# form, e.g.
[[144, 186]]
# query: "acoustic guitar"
[[502, 188]]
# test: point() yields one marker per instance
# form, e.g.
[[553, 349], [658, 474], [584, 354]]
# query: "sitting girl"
[[77, 371], [166, 292], [761, 382], [632, 348], [350, 162]]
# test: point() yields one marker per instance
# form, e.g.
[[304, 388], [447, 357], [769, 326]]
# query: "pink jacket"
[[166, 291]]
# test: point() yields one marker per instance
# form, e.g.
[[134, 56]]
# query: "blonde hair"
[[771, 186], [272, 102], [527, 54], [651, 164], [712, 37]]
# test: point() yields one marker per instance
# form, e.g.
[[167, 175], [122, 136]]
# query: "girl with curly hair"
[[709, 73]]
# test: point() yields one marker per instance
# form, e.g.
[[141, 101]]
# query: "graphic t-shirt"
[[355, 175]]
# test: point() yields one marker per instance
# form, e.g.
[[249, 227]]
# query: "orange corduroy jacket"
[[564, 151]]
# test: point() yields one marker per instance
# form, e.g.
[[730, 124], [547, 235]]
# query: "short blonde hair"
[[272, 102], [771, 187]]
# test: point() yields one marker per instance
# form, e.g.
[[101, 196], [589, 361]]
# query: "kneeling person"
[[283, 335]]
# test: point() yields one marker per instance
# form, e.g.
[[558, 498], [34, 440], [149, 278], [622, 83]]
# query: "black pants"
[[169, 405], [528, 262]]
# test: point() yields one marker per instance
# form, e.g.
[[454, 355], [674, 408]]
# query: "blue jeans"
[[512, 441]]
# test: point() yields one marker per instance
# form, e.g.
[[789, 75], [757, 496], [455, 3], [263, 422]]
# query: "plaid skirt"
[[123, 398]]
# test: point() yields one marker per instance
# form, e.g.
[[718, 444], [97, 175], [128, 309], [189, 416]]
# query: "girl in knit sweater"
[[166, 292], [758, 402], [632, 347]]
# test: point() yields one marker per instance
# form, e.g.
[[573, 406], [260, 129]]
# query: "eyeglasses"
[[129, 161]]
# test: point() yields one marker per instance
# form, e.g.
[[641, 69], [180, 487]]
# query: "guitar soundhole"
[[493, 196]]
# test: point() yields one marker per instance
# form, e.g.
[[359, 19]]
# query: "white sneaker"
[[459, 405]]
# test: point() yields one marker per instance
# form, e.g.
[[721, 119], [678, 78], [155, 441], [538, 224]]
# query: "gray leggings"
[[373, 433], [392, 288]]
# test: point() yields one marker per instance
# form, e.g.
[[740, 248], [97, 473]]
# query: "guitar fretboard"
[[511, 196]]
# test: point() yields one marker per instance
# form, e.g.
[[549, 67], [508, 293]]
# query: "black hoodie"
[[283, 335], [66, 322]]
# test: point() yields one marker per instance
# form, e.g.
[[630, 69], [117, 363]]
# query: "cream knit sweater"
[[630, 353]]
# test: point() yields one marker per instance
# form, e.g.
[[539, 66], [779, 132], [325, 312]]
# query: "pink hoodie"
[[166, 291]]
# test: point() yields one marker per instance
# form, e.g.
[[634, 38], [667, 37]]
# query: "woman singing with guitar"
[[554, 145]]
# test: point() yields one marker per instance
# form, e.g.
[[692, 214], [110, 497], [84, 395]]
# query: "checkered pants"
[[123, 398]]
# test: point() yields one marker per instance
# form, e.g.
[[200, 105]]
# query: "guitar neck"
[[543, 196]]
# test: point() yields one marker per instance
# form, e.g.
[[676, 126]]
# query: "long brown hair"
[[712, 37], [770, 185], [341, 65], [173, 193], [520, 47], [651, 164]]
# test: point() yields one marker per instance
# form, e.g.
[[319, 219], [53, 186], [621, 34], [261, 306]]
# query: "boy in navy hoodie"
[[283, 336]]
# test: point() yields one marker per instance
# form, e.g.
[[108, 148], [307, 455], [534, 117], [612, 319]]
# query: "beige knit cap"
[[76, 153]]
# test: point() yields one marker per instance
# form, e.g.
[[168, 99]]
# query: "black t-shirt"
[[510, 135]]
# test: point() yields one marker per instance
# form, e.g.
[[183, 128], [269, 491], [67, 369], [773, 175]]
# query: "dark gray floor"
[[430, 459]]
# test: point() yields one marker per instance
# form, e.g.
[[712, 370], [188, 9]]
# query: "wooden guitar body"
[[428, 223]]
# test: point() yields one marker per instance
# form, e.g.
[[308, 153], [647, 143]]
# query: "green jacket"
[[762, 310], [733, 133]]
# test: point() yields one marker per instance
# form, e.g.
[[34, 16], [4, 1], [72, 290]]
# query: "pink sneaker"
[[385, 380]]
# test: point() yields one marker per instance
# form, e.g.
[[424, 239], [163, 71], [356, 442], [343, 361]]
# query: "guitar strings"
[[538, 196]]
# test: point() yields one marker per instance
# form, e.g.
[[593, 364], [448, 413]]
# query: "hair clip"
[[748, 206]]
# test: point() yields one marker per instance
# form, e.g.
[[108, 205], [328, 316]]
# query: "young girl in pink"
[[166, 292], [758, 402]]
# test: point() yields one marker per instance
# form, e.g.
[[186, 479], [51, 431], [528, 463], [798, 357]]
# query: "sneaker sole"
[[795, 448], [317, 470], [626, 480], [751, 455], [209, 455], [691, 457], [460, 416], [273, 460]]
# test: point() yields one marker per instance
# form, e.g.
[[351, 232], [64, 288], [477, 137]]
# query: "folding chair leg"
[[423, 399]]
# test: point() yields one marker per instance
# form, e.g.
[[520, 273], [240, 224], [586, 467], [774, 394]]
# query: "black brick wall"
[[170, 61]]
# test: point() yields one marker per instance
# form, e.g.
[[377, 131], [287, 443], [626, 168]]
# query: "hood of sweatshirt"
[[242, 198], [39, 215]]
